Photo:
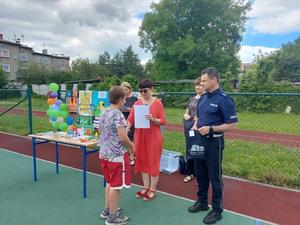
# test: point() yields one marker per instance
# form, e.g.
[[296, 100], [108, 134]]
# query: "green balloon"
[[64, 114], [63, 126], [55, 125], [63, 107], [54, 113], [53, 87], [48, 112]]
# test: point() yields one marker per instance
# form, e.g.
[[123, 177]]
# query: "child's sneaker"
[[116, 218], [105, 213]]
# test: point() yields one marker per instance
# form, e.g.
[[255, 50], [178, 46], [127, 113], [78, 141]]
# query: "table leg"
[[83, 149], [34, 159], [57, 159]]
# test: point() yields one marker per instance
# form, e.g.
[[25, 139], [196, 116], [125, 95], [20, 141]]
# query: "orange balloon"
[[51, 101]]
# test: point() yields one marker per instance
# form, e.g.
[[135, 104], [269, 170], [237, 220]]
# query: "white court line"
[[165, 193]]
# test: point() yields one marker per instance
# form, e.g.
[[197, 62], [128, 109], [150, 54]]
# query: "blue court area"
[[57, 199]]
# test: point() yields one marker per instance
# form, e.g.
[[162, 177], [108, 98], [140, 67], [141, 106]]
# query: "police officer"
[[216, 114]]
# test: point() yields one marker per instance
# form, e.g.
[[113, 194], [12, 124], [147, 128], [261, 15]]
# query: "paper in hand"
[[140, 112]]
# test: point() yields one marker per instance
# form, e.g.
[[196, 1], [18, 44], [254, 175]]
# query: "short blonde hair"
[[126, 84]]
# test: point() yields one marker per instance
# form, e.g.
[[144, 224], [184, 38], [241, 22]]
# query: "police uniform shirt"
[[216, 108]]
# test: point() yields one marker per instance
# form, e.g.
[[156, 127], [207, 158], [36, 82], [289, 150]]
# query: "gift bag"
[[195, 147]]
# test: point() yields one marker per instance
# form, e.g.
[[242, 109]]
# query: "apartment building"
[[14, 54]]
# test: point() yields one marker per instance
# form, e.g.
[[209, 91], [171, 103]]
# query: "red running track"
[[273, 204]]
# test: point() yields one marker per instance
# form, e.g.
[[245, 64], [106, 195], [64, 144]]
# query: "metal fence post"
[[29, 96]]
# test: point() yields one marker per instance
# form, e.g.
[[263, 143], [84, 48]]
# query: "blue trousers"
[[210, 171]]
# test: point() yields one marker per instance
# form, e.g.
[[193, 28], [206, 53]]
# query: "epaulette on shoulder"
[[223, 93]]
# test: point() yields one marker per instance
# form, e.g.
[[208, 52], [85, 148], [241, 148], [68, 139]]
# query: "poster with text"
[[85, 103]]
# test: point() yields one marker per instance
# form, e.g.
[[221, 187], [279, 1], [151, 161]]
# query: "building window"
[[6, 68], [43, 60], [23, 57], [4, 53]]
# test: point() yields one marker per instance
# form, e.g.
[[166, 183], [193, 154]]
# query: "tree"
[[3, 78], [84, 69], [188, 35], [104, 59], [288, 62], [124, 62], [33, 74], [127, 62], [283, 64]]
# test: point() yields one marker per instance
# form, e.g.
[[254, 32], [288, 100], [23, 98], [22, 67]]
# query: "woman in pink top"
[[148, 142]]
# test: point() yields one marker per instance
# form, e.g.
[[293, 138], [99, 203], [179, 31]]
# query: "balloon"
[[60, 119], [52, 119], [55, 125], [51, 101], [58, 102], [63, 107], [69, 94], [48, 112], [54, 107], [53, 94], [54, 113], [63, 126], [53, 87], [69, 120], [64, 114]]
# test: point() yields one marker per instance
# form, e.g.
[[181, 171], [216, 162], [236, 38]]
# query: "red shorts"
[[117, 171]]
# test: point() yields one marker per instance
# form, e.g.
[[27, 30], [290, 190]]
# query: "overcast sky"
[[87, 28]]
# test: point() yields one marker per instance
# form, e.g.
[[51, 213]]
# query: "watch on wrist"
[[211, 129]]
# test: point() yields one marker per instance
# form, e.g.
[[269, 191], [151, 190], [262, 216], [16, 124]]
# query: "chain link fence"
[[265, 148]]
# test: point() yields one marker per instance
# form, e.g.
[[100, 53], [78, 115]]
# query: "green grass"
[[265, 122], [266, 163], [18, 124], [39, 103]]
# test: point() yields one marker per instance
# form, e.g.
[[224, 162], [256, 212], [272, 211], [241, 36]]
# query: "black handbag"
[[196, 147], [182, 165]]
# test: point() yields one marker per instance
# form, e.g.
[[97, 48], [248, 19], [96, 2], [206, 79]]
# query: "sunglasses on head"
[[143, 91]]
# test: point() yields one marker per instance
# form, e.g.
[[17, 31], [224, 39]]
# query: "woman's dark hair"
[[145, 83], [115, 94]]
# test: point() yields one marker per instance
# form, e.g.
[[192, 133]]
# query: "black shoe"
[[212, 217], [197, 207]]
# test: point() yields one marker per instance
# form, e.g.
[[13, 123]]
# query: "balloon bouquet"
[[58, 111]]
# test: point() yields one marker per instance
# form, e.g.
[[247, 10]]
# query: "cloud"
[[74, 27], [248, 53], [275, 16]]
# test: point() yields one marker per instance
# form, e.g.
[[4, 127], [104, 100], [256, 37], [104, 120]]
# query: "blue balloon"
[[53, 119], [58, 102], [54, 107], [69, 120]]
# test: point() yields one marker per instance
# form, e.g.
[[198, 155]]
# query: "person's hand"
[[186, 116], [149, 117], [128, 129], [204, 130], [132, 153], [194, 127]]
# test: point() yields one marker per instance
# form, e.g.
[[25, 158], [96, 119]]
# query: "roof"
[[14, 43], [52, 56], [34, 53]]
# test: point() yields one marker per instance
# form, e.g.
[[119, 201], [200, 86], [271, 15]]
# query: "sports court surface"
[[57, 199]]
